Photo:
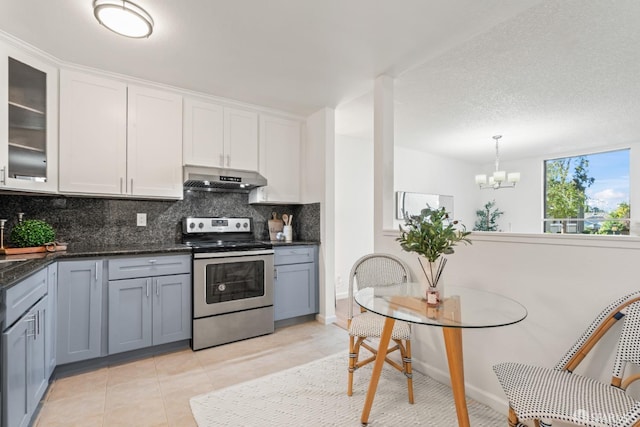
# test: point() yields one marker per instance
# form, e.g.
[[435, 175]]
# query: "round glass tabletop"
[[460, 307]]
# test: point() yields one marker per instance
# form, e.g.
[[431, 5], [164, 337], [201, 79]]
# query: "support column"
[[383, 158]]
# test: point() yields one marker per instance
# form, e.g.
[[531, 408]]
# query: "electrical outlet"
[[142, 220]]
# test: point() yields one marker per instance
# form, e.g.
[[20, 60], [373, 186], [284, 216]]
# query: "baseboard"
[[342, 295], [497, 403], [326, 320]]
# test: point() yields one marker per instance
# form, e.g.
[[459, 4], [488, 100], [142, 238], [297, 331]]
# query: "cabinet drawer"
[[131, 268], [294, 255], [23, 295]]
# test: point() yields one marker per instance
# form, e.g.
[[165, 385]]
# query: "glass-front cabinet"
[[28, 122]]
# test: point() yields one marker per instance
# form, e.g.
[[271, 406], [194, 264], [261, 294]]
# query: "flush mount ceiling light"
[[499, 179], [123, 17]]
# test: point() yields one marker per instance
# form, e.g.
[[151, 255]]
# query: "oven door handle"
[[232, 254]]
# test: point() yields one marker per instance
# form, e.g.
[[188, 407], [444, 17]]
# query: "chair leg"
[[513, 418], [407, 369], [353, 359]]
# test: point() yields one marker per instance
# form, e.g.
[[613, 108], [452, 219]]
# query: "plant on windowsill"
[[431, 234]]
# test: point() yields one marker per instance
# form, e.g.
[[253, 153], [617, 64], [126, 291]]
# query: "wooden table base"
[[453, 345], [387, 329]]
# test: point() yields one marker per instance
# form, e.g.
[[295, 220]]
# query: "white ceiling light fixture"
[[123, 17], [499, 179]]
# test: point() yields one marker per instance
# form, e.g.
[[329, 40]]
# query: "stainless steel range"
[[232, 281]]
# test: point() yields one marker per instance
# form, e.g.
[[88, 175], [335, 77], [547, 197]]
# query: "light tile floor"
[[156, 391]]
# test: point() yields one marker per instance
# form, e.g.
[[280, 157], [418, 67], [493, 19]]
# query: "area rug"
[[315, 394]]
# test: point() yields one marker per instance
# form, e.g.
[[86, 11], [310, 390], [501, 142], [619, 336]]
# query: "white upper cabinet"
[[93, 134], [119, 140], [219, 136], [154, 144], [28, 122], [203, 143], [279, 161], [241, 139]]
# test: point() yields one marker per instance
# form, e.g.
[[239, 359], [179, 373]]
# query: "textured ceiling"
[[558, 78], [551, 76], [293, 55]]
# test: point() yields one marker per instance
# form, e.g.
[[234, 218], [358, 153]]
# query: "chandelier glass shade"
[[123, 17], [499, 178]]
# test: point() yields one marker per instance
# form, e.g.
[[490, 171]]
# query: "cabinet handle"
[[157, 285], [153, 261], [228, 160], [275, 273], [38, 322], [4, 175], [29, 319], [221, 160], [148, 280], [96, 272], [131, 189], [121, 182]]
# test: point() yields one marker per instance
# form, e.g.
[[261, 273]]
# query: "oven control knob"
[[222, 287], [201, 225], [192, 225], [237, 225], [245, 225]]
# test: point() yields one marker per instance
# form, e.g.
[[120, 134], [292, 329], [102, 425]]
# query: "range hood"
[[202, 178]]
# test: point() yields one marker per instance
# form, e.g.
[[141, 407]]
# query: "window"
[[587, 194]]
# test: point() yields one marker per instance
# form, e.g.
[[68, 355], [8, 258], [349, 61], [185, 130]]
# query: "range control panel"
[[216, 225]]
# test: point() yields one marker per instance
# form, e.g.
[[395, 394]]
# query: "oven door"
[[224, 282]]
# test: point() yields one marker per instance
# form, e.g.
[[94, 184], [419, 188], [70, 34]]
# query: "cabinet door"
[[280, 159], [28, 122], [129, 314], [241, 139], [79, 317], [154, 148], [50, 326], [93, 139], [295, 291], [15, 405], [37, 377], [171, 308], [203, 143]]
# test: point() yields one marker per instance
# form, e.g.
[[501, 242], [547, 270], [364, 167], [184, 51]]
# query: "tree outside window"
[[588, 194]]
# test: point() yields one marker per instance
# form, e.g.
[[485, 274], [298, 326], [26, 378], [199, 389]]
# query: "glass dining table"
[[461, 308]]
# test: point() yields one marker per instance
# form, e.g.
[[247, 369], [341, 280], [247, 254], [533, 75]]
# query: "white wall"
[[420, 172], [318, 185], [354, 206], [414, 171], [563, 281]]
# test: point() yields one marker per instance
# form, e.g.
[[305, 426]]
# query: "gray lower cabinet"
[[296, 283], [24, 365], [79, 316], [50, 337], [146, 311], [129, 314]]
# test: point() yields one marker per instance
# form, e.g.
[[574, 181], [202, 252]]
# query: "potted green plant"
[[31, 233], [431, 234]]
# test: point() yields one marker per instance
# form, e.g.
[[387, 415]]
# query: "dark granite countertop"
[[294, 243], [15, 272]]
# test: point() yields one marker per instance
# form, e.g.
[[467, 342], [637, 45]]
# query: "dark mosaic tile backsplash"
[[113, 221]]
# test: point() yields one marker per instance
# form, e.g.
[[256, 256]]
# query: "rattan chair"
[[545, 395], [370, 271]]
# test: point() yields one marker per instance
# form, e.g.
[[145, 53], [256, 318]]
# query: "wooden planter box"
[[35, 249]]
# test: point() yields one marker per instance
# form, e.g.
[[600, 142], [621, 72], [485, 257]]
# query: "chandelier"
[[500, 178]]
